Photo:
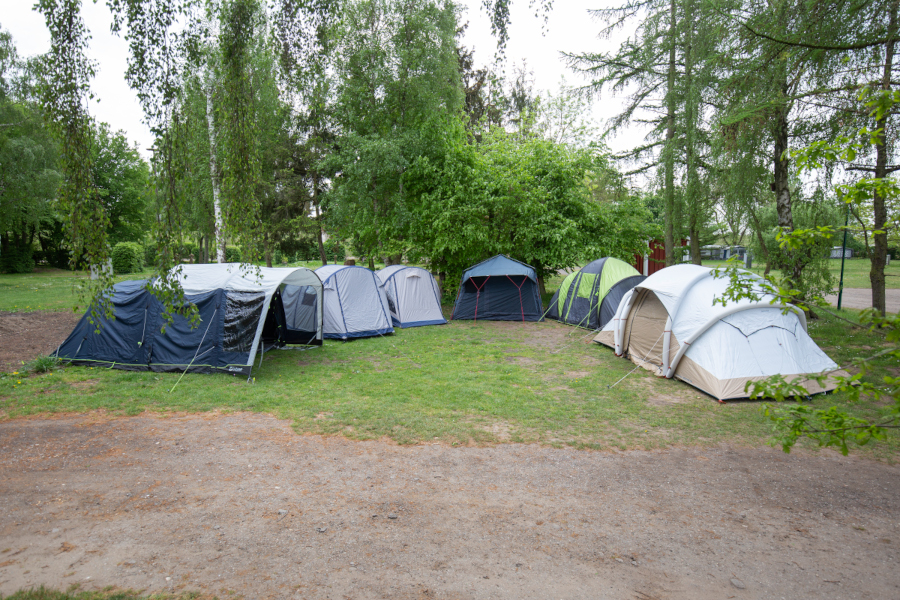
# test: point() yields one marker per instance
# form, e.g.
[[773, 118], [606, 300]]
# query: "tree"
[[665, 67], [528, 197], [122, 179], [28, 162], [832, 426], [397, 93], [793, 72]]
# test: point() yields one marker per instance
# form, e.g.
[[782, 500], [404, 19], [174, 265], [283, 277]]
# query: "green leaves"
[[65, 89]]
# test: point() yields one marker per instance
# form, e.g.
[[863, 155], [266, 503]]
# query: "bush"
[[334, 251], [188, 248], [127, 257], [17, 259], [232, 254]]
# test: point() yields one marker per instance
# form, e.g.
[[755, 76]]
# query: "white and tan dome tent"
[[668, 324]]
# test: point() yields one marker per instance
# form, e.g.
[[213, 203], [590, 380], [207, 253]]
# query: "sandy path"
[[862, 298], [241, 504]]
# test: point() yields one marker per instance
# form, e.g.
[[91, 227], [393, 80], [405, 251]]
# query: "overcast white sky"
[[569, 29]]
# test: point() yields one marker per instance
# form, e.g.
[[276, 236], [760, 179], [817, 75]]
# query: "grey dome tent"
[[241, 311], [413, 296], [354, 301], [499, 289], [589, 298]]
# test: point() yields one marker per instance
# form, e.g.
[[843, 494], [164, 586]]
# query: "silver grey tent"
[[355, 304], [414, 298]]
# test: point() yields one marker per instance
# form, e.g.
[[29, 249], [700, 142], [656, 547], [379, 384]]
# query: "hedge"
[[17, 259], [127, 257]]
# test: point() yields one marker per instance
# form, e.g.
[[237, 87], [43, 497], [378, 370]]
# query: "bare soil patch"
[[240, 506], [26, 335]]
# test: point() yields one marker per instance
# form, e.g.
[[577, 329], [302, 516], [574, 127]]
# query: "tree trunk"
[[669, 150], [539, 271], [214, 170], [692, 197], [782, 188], [318, 219], [866, 251], [879, 207], [267, 248], [762, 242]]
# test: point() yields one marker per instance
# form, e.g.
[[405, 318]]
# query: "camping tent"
[[241, 310], [413, 296], [669, 325], [499, 289], [589, 297], [355, 304]]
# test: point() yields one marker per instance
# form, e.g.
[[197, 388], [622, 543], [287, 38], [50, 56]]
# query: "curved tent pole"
[[619, 327], [670, 372], [667, 339]]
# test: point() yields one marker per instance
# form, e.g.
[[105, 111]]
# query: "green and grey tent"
[[589, 298]]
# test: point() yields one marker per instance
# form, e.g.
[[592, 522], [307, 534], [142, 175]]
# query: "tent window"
[[242, 313], [586, 286], [309, 297]]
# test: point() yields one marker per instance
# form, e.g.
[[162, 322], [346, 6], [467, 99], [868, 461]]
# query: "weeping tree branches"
[[164, 39], [65, 90]]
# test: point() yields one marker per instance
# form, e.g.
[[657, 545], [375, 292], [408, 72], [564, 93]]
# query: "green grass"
[[462, 384], [72, 593], [48, 289], [856, 271]]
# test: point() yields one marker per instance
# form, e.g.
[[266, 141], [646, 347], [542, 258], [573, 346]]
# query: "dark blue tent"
[[242, 311], [499, 289]]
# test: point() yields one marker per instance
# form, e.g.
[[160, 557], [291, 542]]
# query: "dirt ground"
[[25, 336], [240, 506]]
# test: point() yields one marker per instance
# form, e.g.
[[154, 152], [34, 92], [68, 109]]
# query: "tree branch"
[[812, 46]]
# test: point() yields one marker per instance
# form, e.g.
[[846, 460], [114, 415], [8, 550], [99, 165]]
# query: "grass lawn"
[[72, 593], [856, 272], [461, 383]]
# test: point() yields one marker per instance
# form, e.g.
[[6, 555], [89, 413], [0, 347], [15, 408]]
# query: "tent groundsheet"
[[589, 297], [355, 303], [242, 309], [499, 289], [413, 296], [669, 325]]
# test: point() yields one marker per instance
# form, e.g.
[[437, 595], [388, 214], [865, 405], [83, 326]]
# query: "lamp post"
[[843, 255]]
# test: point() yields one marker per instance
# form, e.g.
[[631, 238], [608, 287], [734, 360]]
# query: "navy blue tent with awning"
[[499, 289], [242, 310]]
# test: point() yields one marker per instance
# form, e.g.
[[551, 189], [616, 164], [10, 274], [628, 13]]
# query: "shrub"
[[232, 254], [188, 248], [127, 257], [334, 251], [150, 254], [17, 259]]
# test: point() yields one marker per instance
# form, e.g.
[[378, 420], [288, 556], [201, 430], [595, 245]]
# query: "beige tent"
[[669, 325]]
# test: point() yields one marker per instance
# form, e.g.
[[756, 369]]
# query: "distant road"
[[862, 298]]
